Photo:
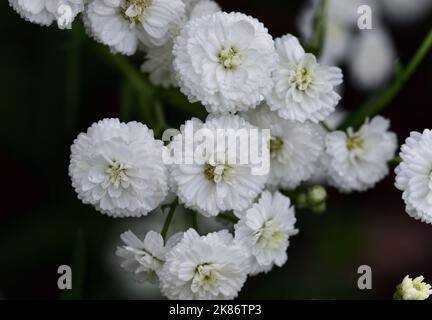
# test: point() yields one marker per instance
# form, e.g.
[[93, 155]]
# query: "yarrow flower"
[[144, 258], [125, 24], [410, 289], [303, 89], [295, 148], [356, 161], [225, 61], [371, 59], [264, 231], [44, 12], [204, 268], [414, 175], [217, 181], [117, 168], [159, 60]]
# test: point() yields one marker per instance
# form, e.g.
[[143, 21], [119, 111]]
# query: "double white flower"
[[124, 25], [204, 268], [117, 167], [219, 181], [264, 231], [414, 175], [356, 161], [295, 148], [303, 89], [45, 12], [225, 61]]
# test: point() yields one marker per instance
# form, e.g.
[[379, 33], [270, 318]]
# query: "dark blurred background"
[[54, 84]]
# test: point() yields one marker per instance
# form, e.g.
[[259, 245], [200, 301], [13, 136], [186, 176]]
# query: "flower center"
[[215, 173], [276, 145], [117, 172], [229, 58], [133, 10], [300, 78], [354, 142], [270, 234], [205, 277]]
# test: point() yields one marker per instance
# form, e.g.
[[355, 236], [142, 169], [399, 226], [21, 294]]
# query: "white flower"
[[159, 60], [303, 89], [204, 268], [372, 59], [145, 258], [224, 61], [219, 181], [117, 167], [410, 289], [264, 231], [295, 148], [44, 12], [356, 161], [124, 24], [414, 175]]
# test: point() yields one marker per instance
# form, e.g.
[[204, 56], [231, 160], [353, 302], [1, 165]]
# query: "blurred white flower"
[[218, 182], [45, 12], [372, 59], [295, 148], [303, 89], [159, 60], [410, 289], [264, 231], [225, 61], [204, 268], [405, 11], [356, 161], [117, 167], [145, 258], [414, 175], [125, 24]]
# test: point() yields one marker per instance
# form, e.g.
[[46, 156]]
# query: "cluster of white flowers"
[[247, 81], [217, 265]]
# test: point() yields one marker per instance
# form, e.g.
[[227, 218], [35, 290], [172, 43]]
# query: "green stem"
[[378, 103], [169, 218], [315, 44]]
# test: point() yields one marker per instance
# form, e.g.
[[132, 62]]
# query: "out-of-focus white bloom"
[[295, 148], [204, 268], [159, 65], [117, 167], [336, 43], [410, 289], [264, 231], [44, 12], [145, 258], [159, 60], [225, 61], [219, 181], [346, 11], [405, 11], [303, 89], [356, 161], [124, 24], [414, 175], [372, 59]]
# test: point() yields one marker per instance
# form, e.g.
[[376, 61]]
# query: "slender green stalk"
[[315, 44], [379, 102], [169, 217]]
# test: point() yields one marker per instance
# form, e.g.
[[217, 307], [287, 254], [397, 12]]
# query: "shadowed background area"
[[54, 84]]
